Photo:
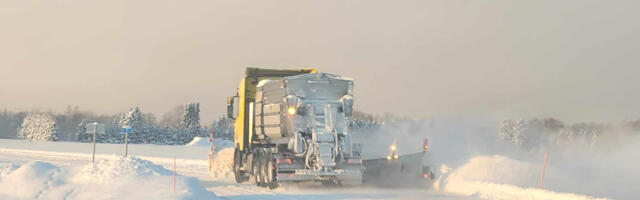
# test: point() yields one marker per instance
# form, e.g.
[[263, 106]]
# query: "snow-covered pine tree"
[[223, 128], [519, 132], [513, 131], [38, 127], [190, 122], [135, 120], [506, 130], [5, 124], [81, 132]]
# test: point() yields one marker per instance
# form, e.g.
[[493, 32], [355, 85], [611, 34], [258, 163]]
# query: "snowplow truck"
[[293, 126]]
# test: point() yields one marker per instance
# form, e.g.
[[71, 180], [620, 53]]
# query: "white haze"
[[608, 171]]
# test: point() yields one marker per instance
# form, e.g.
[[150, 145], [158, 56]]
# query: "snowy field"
[[63, 170]]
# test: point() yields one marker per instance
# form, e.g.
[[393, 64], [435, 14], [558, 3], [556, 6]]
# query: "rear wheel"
[[257, 167], [272, 183], [263, 168], [240, 175]]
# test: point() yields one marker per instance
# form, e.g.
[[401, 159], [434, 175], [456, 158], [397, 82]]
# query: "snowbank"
[[204, 142], [199, 141], [5, 168], [117, 178], [222, 164], [223, 156], [29, 181], [498, 177], [105, 171]]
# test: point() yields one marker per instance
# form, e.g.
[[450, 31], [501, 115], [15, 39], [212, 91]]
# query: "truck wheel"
[[237, 162], [254, 167], [257, 167], [272, 183], [263, 168]]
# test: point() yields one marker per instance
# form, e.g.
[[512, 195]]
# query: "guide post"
[[95, 128], [126, 130], [544, 166], [95, 131]]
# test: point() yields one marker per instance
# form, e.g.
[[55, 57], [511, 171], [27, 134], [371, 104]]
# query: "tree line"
[[176, 127], [551, 134]]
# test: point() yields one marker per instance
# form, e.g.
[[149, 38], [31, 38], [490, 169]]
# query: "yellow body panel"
[[238, 125], [246, 95]]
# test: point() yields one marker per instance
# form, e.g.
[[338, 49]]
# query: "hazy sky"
[[575, 60]]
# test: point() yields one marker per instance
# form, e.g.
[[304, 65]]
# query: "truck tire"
[[271, 171], [257, 169], [263, 168], [240, 175]]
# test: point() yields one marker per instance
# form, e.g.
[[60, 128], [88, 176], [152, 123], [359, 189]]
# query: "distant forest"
[[178, 126], [181, 123], [550, 134]]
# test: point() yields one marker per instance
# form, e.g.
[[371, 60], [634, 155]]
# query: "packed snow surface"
[[59, 170], [498, 177], [115, 178]]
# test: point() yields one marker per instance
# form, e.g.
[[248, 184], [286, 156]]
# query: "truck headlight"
[[291, 102], [291, 111]]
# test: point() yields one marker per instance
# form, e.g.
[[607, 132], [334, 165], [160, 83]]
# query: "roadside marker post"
[[126, 130], [93, 158], [544, 166], [211, 139], [95, 128], [174, 174], [211, 150]]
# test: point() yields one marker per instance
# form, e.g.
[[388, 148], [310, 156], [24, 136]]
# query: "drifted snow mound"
[[134, 178], [29, 181], [221, 167], [5, 168], [204, 142], [199, 141], [222, 164], [498, 177], [120, 167], [113, 178]]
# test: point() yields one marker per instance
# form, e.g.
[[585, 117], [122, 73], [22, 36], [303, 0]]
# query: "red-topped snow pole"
[[544, 166], [174, 174]]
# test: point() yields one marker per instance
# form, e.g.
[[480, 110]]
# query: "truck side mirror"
[[230, 107]]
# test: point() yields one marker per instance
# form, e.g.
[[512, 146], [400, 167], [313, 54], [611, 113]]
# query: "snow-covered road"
[[191, 162], [70, 175]]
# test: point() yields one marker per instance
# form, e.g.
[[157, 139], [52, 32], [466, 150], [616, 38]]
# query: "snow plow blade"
[[404, 169]]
